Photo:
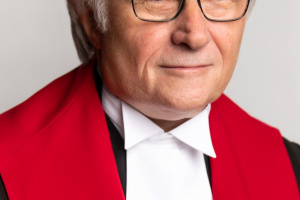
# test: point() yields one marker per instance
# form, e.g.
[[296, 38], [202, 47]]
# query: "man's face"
[[168, 70]]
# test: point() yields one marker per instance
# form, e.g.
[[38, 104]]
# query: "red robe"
[[56, 145]]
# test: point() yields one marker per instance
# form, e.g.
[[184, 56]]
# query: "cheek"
[[133, 52], [146, 41], [228, 37], [144, 45]]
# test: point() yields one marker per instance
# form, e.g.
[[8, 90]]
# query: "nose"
[[191, 27]]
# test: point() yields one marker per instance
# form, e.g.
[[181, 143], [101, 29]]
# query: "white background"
[[36, 47]]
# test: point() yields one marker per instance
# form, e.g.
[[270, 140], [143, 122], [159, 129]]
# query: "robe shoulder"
[[294, 154]]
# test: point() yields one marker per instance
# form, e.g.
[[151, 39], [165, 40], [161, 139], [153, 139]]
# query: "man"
[[144, 117]]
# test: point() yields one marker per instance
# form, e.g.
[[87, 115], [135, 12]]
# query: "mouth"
[[186, 67], [186, 70]]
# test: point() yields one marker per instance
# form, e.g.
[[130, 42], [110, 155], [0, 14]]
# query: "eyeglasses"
[[166, 10]]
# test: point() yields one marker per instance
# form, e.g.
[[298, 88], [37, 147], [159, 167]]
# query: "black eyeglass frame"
[[181, 8]]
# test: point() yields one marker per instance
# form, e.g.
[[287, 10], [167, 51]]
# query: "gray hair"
[[85, 49]]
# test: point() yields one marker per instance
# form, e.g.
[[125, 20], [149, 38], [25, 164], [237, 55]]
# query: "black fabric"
[[119, 151], [98, 82], [3, 194], [207, 164], [294, 154], [117, 141]]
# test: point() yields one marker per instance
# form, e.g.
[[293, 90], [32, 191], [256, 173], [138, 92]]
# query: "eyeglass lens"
[[163, 10]]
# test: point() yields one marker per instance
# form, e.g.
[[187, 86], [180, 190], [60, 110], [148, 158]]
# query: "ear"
[[90, 27]]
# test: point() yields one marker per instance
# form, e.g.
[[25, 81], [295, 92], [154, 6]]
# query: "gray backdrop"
[[36, 47]]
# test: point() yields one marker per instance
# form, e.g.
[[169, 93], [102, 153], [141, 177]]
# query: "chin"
[[189, 107], [177, 111]]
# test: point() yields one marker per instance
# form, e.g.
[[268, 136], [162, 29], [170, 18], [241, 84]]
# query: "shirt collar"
[[196, 133], [135, 127]]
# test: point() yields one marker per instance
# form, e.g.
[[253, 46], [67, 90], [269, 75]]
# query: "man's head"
[[166, 70]]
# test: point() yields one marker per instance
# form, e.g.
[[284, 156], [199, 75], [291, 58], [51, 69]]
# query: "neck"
[[168, 125]]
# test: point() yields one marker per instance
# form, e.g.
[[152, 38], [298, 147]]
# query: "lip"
[[185, 71], [186, 67]]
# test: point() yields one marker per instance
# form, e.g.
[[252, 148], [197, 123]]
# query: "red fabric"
[[56, 146], [252, 162]]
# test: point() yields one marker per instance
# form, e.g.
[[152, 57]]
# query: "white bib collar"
[[135, 127]]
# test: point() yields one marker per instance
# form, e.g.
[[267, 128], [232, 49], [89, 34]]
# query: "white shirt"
[[162, 165]]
